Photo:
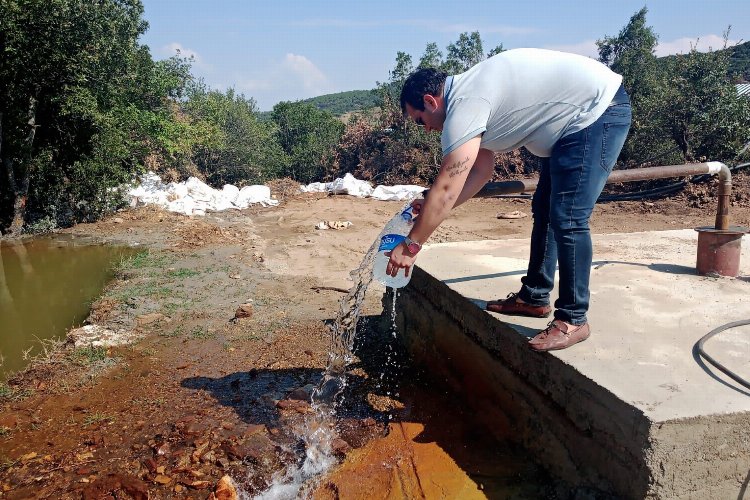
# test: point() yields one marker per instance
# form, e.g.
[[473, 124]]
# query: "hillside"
[[739, 63], [344, 102]]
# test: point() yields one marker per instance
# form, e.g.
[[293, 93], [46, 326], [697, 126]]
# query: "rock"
[[29, 456], [97, 336], [254, 448], [199, 485], [150, 464], [515, 214], [253, 429], [358, 432], [148, 319], [299, 394], [209, 457], [340, 447], [108, 486], [162, 449], [225, 490], [294, 404], [244, 311], [235, 276], [118, 220], [162, 479]]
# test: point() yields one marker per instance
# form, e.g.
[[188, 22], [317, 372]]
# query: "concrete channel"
[[632, 411]]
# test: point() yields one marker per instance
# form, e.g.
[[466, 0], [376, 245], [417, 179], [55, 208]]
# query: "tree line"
[[84, 108]]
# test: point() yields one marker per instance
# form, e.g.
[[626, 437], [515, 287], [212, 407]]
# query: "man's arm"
[[454, 184], [480, 174]]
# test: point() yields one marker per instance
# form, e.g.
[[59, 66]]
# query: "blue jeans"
[[570, 182]]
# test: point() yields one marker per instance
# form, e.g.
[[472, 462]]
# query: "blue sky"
[[274, 50]]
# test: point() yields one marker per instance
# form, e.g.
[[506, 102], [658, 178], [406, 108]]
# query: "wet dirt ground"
[[210, 391]]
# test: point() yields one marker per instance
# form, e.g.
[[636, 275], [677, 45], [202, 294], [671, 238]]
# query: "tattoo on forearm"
[[458, 167]]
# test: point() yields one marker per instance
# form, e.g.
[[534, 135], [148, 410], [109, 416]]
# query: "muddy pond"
[[47, 286]]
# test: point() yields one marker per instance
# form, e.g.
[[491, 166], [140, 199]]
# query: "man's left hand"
[[399, 258]]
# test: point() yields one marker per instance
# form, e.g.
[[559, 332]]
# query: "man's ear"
[[430, 102]]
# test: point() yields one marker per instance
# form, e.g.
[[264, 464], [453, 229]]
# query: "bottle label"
[[390, 241]]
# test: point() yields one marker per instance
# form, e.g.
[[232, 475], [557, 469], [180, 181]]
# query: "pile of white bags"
[[195, 197], [363, 189]]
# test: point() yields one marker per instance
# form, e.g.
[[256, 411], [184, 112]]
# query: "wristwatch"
[[412, 246]]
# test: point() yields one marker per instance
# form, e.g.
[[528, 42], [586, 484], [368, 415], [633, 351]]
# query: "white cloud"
[[586, 48], [703, 43], [303, 69], [293, 77], [177, 48]]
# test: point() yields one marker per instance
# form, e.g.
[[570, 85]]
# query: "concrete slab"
[[623, 389]]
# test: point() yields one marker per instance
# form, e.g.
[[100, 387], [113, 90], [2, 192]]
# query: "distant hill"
[[739, 63], [344, 102], [338, 104]]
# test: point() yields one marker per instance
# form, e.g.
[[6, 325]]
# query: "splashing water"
[[318, 430]]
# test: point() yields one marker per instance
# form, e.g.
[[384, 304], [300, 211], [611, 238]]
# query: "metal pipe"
[[725, 192], [638, 174]]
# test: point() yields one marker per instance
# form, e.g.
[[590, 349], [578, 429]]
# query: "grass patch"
[[4, 431], [144, 290], [246, 337], [183, 272], [170, 308], [89, 355], [5, 391], [97, 418], [6, 463], [177, 332], [201, 333], [142, 260]]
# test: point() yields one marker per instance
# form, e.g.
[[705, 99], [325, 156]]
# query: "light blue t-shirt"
[[526, 97]]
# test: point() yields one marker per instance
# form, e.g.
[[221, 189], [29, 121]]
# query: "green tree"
[[498, 49], [632, 54], [65, 69], [308, 136], [702, 112], [464, 53], [432, 57], [239, 148]]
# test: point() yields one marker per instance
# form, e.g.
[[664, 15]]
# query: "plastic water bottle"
[[393, 234]]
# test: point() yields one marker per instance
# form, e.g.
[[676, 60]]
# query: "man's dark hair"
[[421, 82]]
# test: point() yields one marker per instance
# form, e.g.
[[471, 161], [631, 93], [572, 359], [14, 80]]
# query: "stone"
[[299, 394], [199, 485], [148, 319], [105, 486], [293, 404], [162, 479], [253, 429], [340, 447], [225, 489], [244, 311]]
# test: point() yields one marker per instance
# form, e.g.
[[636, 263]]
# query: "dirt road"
[[203, 393]]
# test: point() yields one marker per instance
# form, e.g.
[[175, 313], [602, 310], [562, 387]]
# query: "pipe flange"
[[731, 230]]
